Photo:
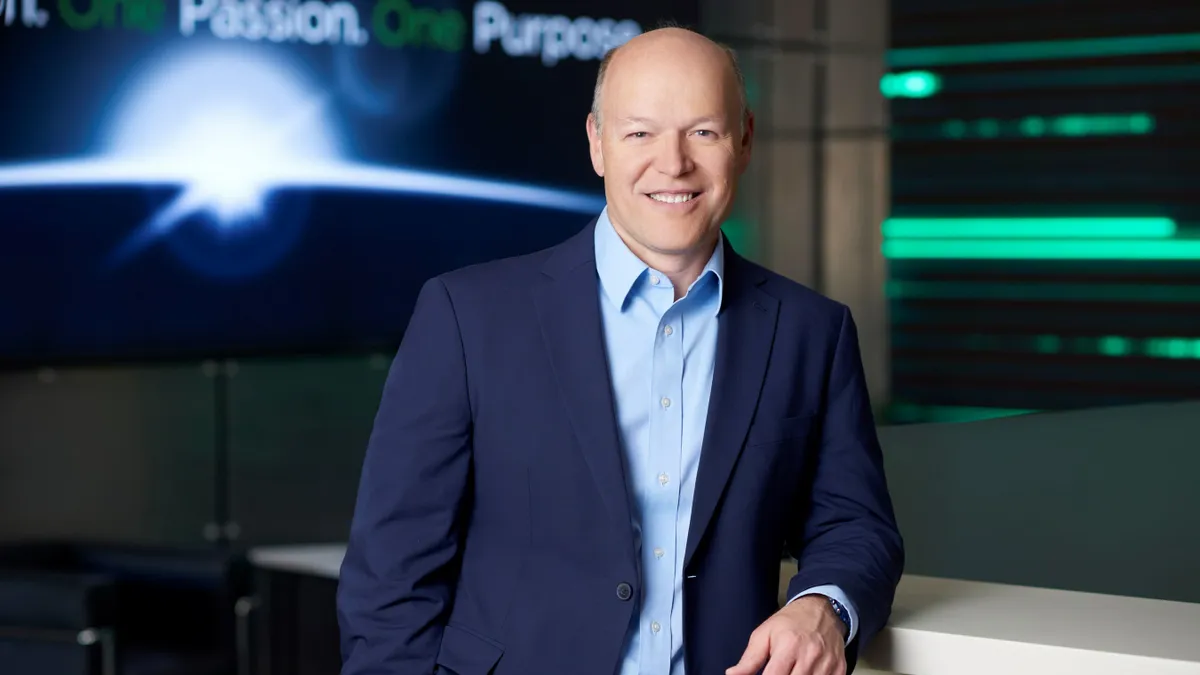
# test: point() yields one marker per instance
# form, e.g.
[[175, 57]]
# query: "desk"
[[951, 627], [938, 626], [321, 560]]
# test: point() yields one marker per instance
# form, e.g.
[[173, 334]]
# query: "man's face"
[[671, 147]]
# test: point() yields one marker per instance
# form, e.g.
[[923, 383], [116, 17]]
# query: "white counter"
[[951, 627], [319, 560]]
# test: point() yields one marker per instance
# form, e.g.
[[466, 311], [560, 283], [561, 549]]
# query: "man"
[[589, 460]]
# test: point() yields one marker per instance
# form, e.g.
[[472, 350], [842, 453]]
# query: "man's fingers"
[[755, 655]]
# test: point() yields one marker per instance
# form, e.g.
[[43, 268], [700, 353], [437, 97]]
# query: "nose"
[[671, 156]]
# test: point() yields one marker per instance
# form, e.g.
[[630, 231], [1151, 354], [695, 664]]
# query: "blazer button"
[[624, 591]]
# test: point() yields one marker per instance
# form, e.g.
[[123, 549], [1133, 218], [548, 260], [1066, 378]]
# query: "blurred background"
[[215, 216]]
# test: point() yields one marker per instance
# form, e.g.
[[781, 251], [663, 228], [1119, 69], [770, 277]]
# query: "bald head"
[[670, 46]]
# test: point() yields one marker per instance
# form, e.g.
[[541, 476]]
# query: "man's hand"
[[804, 638]]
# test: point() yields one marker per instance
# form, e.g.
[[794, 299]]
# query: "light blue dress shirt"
[[661, 356]]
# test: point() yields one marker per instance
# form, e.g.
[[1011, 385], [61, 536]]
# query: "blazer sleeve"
[[847, 535], [401, 566]]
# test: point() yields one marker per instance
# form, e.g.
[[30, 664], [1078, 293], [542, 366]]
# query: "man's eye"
[[706, 133], [638, 134]]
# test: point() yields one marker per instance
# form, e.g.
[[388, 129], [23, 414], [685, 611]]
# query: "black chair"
[[101, 609]]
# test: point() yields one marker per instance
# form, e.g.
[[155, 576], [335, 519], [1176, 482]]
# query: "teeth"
[[672, 198]]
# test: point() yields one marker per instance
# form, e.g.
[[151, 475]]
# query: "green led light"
[[1040, 292], [955, 129], [913, 84], [918, 57], [1115, 346], [739, 235], [1007, 249], [1049, 344], [1074, 78], [1034, 126], [1102, 125], [753, 90], [916, 413], [1025, 228], [1173, 348], [1062, 126], [987, 128], [1111, 346]]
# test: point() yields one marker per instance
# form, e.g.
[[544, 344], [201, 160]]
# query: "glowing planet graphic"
[[240, 136]]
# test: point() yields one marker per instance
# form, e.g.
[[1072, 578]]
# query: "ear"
[[747, 144], [594, 146]]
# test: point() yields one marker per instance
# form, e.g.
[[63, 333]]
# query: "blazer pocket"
[[775, 431], [465, 653]]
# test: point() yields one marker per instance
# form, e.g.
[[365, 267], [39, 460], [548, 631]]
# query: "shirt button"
[[654, 627], [668, 330], [666, 402], [654, 279], [663, 479], [658, 553]]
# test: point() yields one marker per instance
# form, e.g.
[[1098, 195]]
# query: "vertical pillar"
[[817, 189]]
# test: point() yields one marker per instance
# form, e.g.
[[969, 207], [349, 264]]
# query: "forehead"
[[654, 84]]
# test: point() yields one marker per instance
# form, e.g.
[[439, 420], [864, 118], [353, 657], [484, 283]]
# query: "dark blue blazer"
[[492, 531]]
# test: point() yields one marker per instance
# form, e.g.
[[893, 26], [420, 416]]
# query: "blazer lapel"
[[568, 309], [745, 333]]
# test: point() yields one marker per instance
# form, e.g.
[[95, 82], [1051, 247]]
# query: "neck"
[[681, 268]]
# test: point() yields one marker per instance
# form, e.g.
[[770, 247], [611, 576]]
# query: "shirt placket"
[[661, 485]]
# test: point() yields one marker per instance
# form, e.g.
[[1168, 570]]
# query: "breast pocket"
[[777, 430]]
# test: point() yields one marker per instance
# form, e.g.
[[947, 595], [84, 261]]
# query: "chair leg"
[[108, 647], [243, 609]]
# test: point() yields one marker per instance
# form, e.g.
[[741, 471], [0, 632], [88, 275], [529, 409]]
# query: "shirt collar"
[[619, 268]]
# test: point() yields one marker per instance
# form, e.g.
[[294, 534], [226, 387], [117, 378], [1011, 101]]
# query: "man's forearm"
[[848, 536]]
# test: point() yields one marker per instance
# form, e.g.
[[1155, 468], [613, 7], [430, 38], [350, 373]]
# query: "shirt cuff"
[[837, 594]]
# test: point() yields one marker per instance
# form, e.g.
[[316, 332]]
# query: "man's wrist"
[[844, 609], [828, 607]]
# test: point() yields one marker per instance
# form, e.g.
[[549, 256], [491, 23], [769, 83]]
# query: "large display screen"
[[196, 178]]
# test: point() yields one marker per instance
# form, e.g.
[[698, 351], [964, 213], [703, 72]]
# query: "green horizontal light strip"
[[1026, 228], [1073, 78], [912, 413], [1033, 126], [921, 57], [1040, 291], [913, 84], [1115, 346], [1088, 125], [1049, 249], [1173, 348]]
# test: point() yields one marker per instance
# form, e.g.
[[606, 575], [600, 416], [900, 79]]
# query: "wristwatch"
[[842, 613]]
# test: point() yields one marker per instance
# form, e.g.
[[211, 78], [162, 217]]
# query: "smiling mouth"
[[673, 197]]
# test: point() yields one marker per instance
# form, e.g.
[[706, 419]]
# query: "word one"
[[553, 37]]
